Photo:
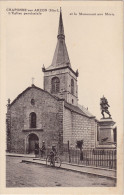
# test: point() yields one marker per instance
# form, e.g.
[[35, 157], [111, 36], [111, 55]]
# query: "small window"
[[72, 86], [32, 119], [72, 101], [97, 133], [55, 85], [32, 101], [115, 134]]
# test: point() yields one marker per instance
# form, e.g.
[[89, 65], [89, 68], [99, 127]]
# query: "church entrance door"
[[33, 138]]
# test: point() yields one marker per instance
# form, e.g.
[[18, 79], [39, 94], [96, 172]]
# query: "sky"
[[93, 43]]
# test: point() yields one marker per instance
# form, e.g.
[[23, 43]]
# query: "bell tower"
[[59, 78]]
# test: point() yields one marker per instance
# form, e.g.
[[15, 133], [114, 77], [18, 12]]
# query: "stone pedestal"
[[106, 135]]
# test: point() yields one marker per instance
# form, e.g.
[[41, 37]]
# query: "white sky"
[[94, 47]]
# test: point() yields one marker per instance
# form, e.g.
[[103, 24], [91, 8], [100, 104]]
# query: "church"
[[51, 114]]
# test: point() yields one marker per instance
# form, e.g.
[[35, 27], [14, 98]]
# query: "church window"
[[72, 101], [97, 133], [32, 101], [32, 120], [115, 134], [55, 85], [72, 86]]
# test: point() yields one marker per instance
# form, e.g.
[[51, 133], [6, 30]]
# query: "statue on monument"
[[104, 106]]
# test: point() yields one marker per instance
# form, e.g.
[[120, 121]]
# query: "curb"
[[69, 169], [13, 155], [77, 165], [100, 168]]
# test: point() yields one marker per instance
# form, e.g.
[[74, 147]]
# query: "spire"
[[60, 58], [61, 27]]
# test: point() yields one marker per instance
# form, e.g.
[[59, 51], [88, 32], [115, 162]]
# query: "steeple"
[[60, 58], [59, 78], [61, 27]]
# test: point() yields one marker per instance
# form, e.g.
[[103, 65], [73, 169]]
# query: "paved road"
[[31, 175]]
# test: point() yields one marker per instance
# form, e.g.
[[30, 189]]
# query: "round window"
[[32, 101]]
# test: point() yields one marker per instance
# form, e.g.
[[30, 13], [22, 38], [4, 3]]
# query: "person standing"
[[42, 150], [53, 153], [36, 149]]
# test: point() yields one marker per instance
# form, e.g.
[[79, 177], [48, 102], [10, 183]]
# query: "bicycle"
[[55, 161]]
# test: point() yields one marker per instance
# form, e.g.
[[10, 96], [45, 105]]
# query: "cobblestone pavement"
[[20, 174]]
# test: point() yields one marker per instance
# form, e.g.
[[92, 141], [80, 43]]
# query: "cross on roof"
[[33, 80]]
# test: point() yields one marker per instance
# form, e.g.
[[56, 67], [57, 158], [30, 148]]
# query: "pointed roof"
[[60, 58], [27, 89], [61, 27]]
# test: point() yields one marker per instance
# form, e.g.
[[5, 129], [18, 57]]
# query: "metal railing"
[[91, 157], [105, 158]]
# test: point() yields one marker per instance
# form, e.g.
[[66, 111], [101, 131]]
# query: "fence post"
[[69, 152], [115, 159]]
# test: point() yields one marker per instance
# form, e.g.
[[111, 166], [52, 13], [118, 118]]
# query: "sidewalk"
[[21, 155], [71, 167]]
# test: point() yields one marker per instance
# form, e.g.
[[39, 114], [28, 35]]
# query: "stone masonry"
[[47, 111], [77, 127]]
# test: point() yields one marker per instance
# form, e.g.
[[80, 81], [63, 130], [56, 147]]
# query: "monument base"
[[106, 133]]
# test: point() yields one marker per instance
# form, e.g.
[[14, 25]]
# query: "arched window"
[[32, 120], [32, 102], [115, 134], [55, 85], [72, 86]]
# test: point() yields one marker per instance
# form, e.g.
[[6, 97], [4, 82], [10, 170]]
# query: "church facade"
[[51, 114]]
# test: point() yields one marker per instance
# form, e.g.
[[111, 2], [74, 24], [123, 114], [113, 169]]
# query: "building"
[[51, 114]]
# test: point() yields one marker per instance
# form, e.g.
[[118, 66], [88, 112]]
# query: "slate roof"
[[78, 110], [71, 107], [61, 57]]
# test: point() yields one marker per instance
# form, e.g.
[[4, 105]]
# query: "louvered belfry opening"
[[72, 86], [55, 85]]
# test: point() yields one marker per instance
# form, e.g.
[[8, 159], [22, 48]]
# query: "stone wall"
[[77, 127], [55, 123], [61, 121], [67, 127], [84, 128], [46, 108], [8, 129], [65, 76]]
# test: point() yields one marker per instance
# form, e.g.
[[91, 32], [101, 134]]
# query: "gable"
[[31, 93]]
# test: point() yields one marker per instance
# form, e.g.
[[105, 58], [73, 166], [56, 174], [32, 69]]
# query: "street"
[[20, 174]]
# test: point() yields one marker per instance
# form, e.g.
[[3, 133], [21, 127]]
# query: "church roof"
[[78, 110], [61, 57], [27, 89], [71, 107]]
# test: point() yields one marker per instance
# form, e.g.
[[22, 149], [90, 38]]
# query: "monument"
[[106, 126]]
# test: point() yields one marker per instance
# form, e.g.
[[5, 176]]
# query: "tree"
[[79, 144]]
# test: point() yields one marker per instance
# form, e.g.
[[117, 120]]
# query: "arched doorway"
[[32, 139]]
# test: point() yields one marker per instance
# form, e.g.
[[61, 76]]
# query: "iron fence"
[[105, 158], [91, 157]]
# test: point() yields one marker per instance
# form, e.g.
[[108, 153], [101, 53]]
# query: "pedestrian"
[[81, 155], [36, 149], [53, 153], [79, 145], [42, 150]]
